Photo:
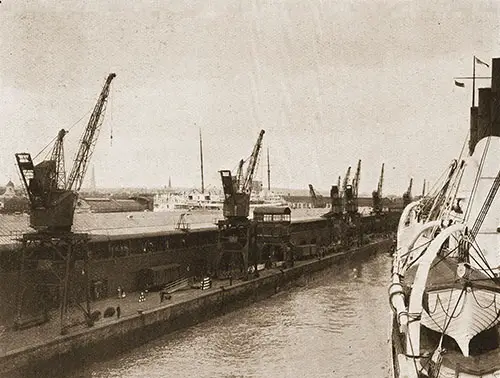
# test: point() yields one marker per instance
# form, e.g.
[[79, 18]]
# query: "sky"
[[330, 82]]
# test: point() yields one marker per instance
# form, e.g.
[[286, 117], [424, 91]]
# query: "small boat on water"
[[445, 283]]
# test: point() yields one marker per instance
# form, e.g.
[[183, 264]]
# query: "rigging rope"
[[443, 257], [67, 131], [483, 259], [483, 157], [440, 197], [486, 206]]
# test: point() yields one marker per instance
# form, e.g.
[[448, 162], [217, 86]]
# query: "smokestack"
[[484, 114], [473, 129], [495, 75], [485, 118], [495, 97]]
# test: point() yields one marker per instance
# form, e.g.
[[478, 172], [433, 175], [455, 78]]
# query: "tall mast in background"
[[201, 163], [268, 172]]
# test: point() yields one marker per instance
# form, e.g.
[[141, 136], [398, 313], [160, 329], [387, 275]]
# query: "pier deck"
[[11, 340]]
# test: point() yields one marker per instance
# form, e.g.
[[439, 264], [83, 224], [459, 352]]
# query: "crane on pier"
[[235, 229], [346, 179], [407, 196], [317, 199], [237, 190], [52, 198], [355, 180], [351, 192], [377, 194], [336, 201]]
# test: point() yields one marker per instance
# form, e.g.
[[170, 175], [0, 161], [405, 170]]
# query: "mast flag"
[[479, 61]]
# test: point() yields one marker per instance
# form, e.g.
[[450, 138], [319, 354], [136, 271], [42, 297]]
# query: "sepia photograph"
[[250, 188]]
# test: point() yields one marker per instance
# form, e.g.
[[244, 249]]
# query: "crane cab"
[[351, 205], [236, 204], [51, 208]]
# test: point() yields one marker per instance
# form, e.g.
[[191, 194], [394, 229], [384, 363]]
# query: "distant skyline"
[[330, 82]]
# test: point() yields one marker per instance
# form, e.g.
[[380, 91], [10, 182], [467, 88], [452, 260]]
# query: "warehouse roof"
[[112, 226], [105, 226]]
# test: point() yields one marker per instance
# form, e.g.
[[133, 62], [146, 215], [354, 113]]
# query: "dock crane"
[[237, 191], [377, 194], [344, 216], [345, 185], [52, 201], [52, 198], [317, 200], [239, 175], [355, 180], [335, 201], [407, 197], [351, 225], [346, 180], [235, 229], [351, 192]]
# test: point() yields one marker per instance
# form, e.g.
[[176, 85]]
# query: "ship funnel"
[[485, 118], [495, 75], [484, 113], [473, 128]]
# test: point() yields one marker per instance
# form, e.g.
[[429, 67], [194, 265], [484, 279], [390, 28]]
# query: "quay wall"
[[133, 330]]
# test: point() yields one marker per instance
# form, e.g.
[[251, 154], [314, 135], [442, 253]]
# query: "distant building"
[[10, 202], [9, 190], [190, 200]]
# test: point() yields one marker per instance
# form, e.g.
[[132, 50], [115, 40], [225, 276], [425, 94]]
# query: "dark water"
[[332, 326]]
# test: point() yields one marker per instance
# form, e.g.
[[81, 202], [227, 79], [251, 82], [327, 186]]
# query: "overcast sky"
[[331, 82]]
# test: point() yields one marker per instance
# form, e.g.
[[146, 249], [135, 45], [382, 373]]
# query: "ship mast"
[[201, 163], [268, 172], [473, 80]]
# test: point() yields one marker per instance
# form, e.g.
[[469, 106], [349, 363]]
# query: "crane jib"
[[89, 139]]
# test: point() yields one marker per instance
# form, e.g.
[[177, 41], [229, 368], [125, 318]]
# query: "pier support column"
[[51, 259]]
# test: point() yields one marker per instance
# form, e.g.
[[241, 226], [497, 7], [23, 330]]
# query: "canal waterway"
[[334, 325]]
